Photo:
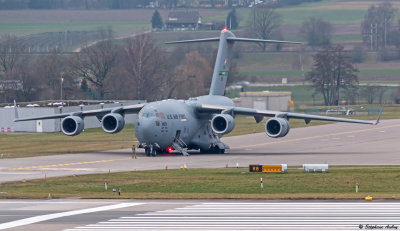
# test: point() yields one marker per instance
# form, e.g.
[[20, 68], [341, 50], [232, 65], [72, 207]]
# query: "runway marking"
[[237, 216], [41, 218], [62, 165], [13, 215], [314, 137]]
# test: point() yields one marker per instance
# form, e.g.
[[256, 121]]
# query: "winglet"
[[379, 116], [15, 110]]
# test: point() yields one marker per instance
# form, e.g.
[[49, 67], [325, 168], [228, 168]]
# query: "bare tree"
[[332, 71], [376, 25], [49, 70], [95, 63], [371, 93], [21, 83], [10, 53], [394, 35], [191, 78], [146, 67], [316, 32], [266, 24]]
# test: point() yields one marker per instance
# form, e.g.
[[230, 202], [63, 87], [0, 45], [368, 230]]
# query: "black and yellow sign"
[[265, 168], [255, 168]]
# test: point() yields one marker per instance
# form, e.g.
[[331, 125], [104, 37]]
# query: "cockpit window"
[[148, 115]]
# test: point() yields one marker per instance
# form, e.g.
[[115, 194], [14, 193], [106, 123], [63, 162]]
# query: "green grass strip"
[[338, 183]]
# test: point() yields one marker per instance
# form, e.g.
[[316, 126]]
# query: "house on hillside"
[[183, 20]]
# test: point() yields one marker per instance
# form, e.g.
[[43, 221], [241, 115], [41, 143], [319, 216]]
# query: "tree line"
[[133, 69], [77, 4], [115, 4]]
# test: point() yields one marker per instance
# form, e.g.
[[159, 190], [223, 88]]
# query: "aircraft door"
[[39, 125], [185, 132], [178, 134]]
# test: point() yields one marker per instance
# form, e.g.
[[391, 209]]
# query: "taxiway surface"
[[334, 144]]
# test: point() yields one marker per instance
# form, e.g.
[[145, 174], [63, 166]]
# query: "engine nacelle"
[[222, 123], [72, 125], [277, 127], [112, 123]]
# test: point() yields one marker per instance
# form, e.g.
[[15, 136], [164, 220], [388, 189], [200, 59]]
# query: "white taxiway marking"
[[259, 216], [41, 218]]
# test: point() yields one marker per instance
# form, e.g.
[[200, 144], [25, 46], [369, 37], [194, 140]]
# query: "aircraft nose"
[[148, 129]]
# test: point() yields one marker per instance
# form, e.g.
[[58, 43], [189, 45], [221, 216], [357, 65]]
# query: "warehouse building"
[[265, 100], [53, 125]]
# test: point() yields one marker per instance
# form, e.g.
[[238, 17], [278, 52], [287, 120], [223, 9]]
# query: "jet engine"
[[72, 125], [277, 127], [222, 123], [112, 123]]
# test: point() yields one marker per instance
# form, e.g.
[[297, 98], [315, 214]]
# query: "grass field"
[[24, 28], [338, 183], [22, 22], [25, 145], [345, 15]]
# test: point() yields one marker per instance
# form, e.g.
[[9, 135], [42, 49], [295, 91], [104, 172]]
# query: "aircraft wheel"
[[213, 150], [154, 152], [162, 151], [217, 150], [147, 151]]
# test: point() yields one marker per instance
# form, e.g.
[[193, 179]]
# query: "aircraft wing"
[[260, 114], [97, 112]]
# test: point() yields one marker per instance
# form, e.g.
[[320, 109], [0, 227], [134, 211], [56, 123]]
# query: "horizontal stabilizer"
[[260, 40], [195, 40]]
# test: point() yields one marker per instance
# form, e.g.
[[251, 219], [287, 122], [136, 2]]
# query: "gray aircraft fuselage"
[[160, 122]]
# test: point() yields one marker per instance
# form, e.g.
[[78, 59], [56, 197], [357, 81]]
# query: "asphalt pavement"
[[334, 144], [85, 215]]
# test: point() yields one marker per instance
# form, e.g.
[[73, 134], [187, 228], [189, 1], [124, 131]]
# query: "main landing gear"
[[151, 151]]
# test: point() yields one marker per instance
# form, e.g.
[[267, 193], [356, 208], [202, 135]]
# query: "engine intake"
[[222, 124], [112, 123], [277, 127], [72, 125]]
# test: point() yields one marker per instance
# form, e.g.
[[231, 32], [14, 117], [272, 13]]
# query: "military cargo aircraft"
[[193, 124]]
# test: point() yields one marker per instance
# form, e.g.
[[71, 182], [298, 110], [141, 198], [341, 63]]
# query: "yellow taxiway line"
[[62, 165]]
